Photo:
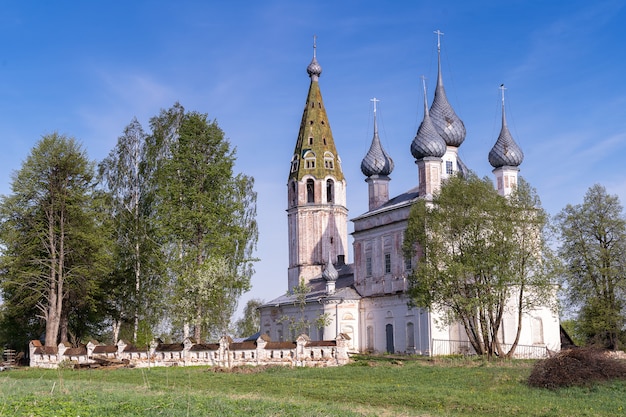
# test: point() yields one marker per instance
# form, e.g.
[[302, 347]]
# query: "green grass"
[[368, 387]]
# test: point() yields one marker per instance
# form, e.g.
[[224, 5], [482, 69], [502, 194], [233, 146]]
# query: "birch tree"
[[135, 279]]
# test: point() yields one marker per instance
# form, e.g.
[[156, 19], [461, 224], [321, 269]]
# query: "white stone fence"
[[225, 353]]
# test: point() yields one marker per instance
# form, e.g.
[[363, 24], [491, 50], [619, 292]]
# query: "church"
[[366, 301]]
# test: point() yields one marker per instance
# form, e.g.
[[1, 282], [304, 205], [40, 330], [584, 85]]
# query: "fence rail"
[[463, 347]]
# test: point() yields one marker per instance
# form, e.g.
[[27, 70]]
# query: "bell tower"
[[316, 191]]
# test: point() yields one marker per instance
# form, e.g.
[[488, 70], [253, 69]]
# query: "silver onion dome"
[[376, 161], [505, 151], [314, 69], [427, 141], [330, 273], [445, 120]]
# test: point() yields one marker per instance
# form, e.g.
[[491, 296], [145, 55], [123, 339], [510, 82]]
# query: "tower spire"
[[316, 190]]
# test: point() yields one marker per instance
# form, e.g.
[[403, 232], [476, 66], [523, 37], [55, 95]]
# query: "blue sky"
[[85, 69]]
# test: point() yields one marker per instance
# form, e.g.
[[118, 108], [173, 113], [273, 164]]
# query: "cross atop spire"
[[375, 100], [314, 46], [502, 88], [439, 35]]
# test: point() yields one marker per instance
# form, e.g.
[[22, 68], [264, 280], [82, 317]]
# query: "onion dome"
[[505, 152], [330, 273], [445, 120], [376, 161], [314, 69], [427, 142]]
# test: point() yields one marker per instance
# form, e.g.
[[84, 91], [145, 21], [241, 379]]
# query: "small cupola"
[[427, 142], [445, 120], [330, 274], [376, 161], [505, 151]]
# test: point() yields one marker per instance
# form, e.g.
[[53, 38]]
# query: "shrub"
[[576, 367]]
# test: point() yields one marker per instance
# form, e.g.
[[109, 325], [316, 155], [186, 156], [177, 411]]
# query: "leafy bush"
[[576, 367]]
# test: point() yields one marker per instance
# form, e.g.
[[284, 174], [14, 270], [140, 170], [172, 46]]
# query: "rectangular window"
[[368, 266], [387, 263], [449, 167], [408, 264]]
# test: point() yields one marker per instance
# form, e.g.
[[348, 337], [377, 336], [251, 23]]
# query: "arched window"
[[294, 163], [293, 198], [330, 191], [410, 337], [309, 160], [310, 191], [329, 160], [537, 331], [370, 338]]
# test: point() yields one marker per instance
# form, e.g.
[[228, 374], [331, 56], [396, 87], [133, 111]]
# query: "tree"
[[54, 254], [250, 323], [206, 215], [593, 249], [135, 278], [481, 255], [299, 323]]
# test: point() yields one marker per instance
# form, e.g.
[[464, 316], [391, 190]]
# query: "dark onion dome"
[[376, 161], [505, 152], [427, 142], [330, 273], [314, 69], [445, 120]]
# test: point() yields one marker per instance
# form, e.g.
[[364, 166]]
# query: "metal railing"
[[442, 347]]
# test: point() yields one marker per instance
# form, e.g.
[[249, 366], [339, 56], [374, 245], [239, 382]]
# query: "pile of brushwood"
[[576, 367]]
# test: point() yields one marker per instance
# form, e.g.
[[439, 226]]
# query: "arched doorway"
[[389, 333]]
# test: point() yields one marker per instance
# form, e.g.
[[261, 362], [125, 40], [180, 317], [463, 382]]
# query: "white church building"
[[367, 300]]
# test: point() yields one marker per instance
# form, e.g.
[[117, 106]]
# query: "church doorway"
[[389, 332]]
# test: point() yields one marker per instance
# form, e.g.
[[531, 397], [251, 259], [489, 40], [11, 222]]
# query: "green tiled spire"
[[315, 153]]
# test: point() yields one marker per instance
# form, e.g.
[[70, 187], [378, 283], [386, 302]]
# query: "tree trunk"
[[116, 330], [64, 328], [197, 334]]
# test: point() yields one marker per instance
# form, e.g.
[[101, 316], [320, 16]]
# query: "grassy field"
[[368, 387]]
